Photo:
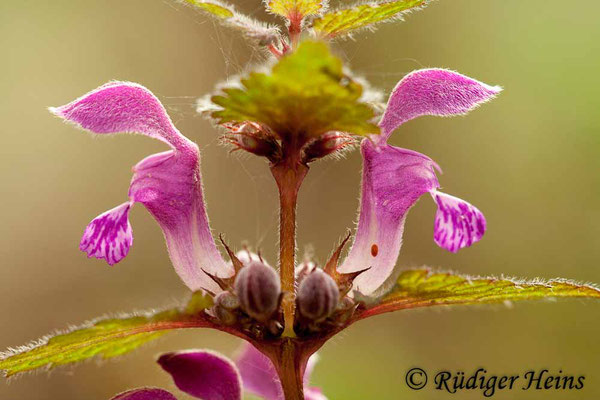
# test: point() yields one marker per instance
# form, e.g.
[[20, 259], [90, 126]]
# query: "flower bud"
[[258, 289], [253, 138], [327, 144], [225, 305], [318, 296]]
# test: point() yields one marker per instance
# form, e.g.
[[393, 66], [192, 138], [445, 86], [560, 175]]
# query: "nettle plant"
[[302, 106]]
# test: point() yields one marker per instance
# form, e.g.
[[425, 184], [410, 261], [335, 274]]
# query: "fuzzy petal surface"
[[392, 182], [458, 224], [145, 394], [109, 235], [203, 374], [433, 92], [168, 184]]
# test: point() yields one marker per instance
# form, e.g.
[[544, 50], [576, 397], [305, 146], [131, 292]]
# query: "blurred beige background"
[[528, 160]]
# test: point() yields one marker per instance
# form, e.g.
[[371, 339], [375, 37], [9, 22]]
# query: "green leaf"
[[104, 337], [424, 288], [228, 16], [295, 8], [345, 21], [306, 93], [217, 9]]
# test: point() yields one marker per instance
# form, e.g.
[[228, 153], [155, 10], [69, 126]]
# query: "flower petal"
[[145, 394], [168, 184], [458, 224], [259, 374], [203, 374], [433, 92], [314, 394], [123, 107], [109, 235], [393, 180]]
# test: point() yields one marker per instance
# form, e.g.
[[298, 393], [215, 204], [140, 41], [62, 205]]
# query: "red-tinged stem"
[[275, 51], [295, 27], [291, 370], [289, 174]]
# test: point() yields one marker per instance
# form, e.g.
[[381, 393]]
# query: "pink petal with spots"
[[203, 374], [393, 180], [168, 184], [109, 235], [433, 92], [458, 224]]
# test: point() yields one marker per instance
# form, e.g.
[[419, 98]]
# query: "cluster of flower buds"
[[260, 140], [251, 299], [322, 300]]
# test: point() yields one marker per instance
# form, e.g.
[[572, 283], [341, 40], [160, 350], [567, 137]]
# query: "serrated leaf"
[[228, 16], [104, 337], [295, 8], [345, 21], [424, 288], [306, 93]]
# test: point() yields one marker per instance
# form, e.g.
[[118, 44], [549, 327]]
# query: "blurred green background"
[[528, 160]]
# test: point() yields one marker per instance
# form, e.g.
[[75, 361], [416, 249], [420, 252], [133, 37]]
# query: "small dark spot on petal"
[[374, 250]]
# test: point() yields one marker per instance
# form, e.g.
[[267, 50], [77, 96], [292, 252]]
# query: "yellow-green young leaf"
[[104, 337], [424, 288], [215, 8], [228, 16], [295, 8], [306, 93], [345, 21]]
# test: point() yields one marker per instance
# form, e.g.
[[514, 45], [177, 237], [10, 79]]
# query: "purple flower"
[[168, 184], [394, 178], [209, 376]]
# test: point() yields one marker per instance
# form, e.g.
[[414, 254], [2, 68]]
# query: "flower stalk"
[[291, 368], [289, 174]]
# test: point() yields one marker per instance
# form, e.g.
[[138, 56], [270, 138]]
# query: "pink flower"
[[209, 376], [394, 178], [168, 184]]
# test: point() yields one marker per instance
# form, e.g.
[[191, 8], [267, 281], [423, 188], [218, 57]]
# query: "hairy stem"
[[291, 366], [289, 174]]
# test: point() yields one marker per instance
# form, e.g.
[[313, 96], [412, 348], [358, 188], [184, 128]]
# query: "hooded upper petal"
[[203, 374], [393, 180], [168, 183], [433, 92], [145, 394], [458, 224]]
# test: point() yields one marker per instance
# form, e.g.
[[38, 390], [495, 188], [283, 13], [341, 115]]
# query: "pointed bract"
[[433, 92]]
